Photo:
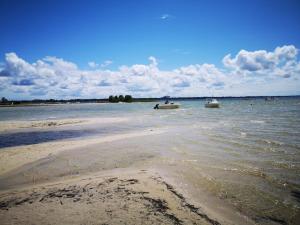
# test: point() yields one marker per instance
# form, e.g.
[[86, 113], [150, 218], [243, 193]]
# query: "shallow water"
[[247, 152]]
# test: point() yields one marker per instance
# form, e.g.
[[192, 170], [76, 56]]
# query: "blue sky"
[[106, 35]]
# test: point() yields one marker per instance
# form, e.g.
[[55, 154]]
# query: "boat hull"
[[212, 105], [168, 106]]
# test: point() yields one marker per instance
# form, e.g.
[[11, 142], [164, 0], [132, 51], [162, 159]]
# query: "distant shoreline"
[[51, 102]]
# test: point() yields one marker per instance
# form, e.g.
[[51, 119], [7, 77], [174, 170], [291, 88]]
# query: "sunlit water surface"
[[247, 151]]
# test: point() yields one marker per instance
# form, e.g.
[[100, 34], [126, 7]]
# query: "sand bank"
[[139, 194], [14, 157], [7, 126], [135, 197]]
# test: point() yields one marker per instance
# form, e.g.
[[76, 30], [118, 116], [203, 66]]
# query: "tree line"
[[120, 98], [112, 99], [4, 100]]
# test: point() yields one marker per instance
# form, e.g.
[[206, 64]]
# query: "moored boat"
[[167, 106], [213, 103]]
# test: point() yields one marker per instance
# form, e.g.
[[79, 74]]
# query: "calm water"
[[247, 152]]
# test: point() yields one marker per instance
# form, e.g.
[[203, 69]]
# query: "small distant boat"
[[269, 98], [213, 103], [167, 105]]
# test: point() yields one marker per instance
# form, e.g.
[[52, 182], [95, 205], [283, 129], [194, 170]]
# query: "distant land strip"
[[106, 100]]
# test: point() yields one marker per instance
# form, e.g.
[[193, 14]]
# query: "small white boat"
[[167, 106], [213, 103]]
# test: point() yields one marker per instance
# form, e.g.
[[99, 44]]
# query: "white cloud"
[[59, 63], [106, 63], [93, 65], [282, 61], [153, 61], [166, 16], [256, 73], [15, 66]]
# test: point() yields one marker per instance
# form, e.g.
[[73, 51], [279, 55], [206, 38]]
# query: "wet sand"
[[17, 125], [15, 157], [116, 198], [98, 181]]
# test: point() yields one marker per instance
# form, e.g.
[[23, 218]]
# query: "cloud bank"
[[247, 73]]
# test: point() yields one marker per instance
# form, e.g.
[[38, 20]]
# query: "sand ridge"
[[14, 157], [131, 198], [7, 126]]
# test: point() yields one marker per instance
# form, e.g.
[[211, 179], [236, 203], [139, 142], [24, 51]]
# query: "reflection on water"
[[247, 152], [36, 137]]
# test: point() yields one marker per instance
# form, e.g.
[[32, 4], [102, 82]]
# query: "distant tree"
[[4, 100], [113, 99], [51, 100], [121, 98], [116, 99], [128, 98]]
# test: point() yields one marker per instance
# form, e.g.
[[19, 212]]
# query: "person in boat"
[[167, 102], [156, 106]]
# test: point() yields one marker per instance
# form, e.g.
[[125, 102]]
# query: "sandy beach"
[[96, 181], [133, 197], [7, 126]]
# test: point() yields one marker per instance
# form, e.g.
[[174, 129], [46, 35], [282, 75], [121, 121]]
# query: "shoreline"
[[160, 201], [14, 157], [48, 104], [115, 196], [13, 125], [29, 173], [25, 103], [124, 198]]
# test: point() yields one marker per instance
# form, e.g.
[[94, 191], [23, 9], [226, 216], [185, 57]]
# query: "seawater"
[[246, 152]]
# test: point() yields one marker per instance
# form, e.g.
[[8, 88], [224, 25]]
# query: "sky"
[[92, 49]]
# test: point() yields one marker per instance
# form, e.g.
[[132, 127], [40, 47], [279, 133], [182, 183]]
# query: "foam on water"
[[257, 121]]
